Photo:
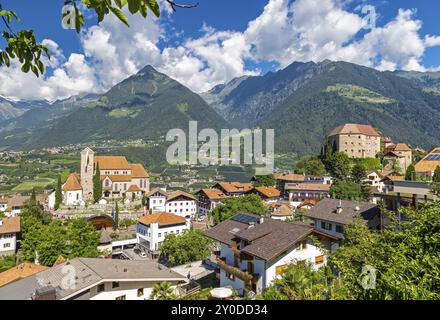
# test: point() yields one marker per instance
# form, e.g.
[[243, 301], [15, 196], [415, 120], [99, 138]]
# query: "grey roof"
[[87, 273], [326, 210], [273, 237], [267, 240]]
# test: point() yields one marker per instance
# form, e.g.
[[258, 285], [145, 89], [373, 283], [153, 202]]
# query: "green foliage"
[[405, 256], [339, 165], [34, 209], [162, 291], [346, 190], [436, 177], [358, 173], [49, 241], [97, 185], [310, 166], [7, 262], [370, 163], [246, 204], [188, 247], [267, 181], [410, 173], [58, 194]]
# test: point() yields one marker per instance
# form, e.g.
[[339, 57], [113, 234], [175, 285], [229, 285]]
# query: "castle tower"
[[87, 168]]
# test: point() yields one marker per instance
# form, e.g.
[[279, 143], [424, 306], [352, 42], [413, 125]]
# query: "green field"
[[39, 184]]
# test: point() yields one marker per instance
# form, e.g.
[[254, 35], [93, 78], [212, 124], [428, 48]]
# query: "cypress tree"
[[410, 173], [97, 185], [116, 215], [58, 194]]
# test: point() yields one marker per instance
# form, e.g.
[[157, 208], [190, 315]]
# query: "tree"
[[436, 177], [76, 239], [311, 166], [403, 260], [97, 185], [162, 291], [346, 190], [116, 215], [189, 247], [144, 200], [33, 198], [248, 204], [339, 165], [34, 209], [58, 194], [7, 262], [83, 238], [358, 173], [266, 181], [22, 45], [410, 173], [326, 154]]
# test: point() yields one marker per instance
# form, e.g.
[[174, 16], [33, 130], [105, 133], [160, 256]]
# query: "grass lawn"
[[27, 186]]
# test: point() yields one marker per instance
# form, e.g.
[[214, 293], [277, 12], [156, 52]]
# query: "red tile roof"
[[162, 218]]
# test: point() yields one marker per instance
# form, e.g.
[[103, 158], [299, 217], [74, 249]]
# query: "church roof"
[[112, 163], [72, 183]]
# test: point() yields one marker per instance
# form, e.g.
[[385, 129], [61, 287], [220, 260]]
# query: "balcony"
[[242, 275]]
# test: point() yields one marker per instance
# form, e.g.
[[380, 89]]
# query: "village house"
[[93, 279], [9, 234], [267, 194], [152, 229], [281, 211], [233, 189], [355, 140], [177, 202], [283, 178], [208, 199], [3, 204], [255, 251], [300, 192], [332, 215], [400, 154], [374, 179]]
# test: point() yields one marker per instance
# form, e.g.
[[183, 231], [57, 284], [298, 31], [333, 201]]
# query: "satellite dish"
[[221, 293]]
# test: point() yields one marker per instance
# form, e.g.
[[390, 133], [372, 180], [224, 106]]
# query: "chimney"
[[261, 220], [1, 221], [251, 225], [357, 208], [339, 207]]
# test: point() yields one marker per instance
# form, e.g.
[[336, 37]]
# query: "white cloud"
[[286, 31]]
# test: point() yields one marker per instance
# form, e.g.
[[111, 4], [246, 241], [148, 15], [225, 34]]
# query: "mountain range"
[[302, 102]]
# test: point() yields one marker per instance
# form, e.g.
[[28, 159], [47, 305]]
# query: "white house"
[[151, 230], [255, 251], [93, 279], [177, 202], [3, 204], [374, 179], [208, 199], [331, 216], [9, 232]]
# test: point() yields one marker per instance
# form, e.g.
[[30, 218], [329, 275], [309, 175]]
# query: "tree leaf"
[[121, 16]]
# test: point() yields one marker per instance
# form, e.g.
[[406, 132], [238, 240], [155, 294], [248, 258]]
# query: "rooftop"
[[289, 177], [10, 225], [213, 194], [308, 186], [235, 187], [354, 128], [327, 209], [162, 218], [19, 272], [89, 272], [72, 183], [268, 192], [267, 240]]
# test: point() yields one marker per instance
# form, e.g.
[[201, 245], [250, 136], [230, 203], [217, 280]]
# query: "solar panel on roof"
[[433, 157], [244, 218]]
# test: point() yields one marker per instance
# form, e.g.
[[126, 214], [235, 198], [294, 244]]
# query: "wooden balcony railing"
[[242, 275]]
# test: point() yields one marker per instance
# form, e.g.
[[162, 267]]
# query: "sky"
[[222, 40]]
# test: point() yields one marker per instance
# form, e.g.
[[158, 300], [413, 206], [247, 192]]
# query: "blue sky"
[[220, 40]]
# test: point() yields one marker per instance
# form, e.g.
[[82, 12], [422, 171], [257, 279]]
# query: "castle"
[[117, 175]]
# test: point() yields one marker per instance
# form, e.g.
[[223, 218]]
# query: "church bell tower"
[[87, 168]]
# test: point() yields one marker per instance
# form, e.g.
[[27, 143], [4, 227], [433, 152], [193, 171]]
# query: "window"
[[6, 245], [340, 229], [279, 270], [124, 297], [159, 235], [140, 292], [326, 225], [319, 259], [101, 287], [115, 284]]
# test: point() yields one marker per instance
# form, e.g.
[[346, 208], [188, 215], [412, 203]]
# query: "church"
[[117, 175]]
